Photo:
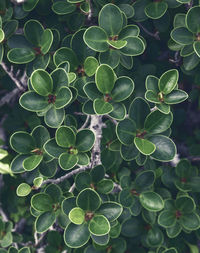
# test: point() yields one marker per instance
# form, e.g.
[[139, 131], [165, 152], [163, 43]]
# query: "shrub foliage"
[[89, 162]]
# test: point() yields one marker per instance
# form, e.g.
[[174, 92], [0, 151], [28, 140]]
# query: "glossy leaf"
[[151, 201], [124, 87], [85, 139], [101, 107], [45, 221], [157, 122], [165, 148], [144, 146], [96, 38], [168, 81], [22, 142], [105, 79], [88, 200], [75, 236], [193, 19], [41, 82], [65, 137], [99, 225], [21, 55], [110, 19], [67, 161], [111, 210], [23, 190], [77, 215]]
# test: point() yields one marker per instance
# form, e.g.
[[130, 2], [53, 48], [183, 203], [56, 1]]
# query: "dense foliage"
[[99, 126]]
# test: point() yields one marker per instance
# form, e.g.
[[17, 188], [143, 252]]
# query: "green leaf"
[[175, 97], [1, 52], [105, 78], [151, 83], [144, 180], [2, 35], [190, 221], [168, 81], [16, 164], [32, 162], [100, 240], [46, 41], [33, 32], [68, 204], [164, 108], [157, 122], [135, 46], [67, 161], [88, 200], [22, 142], [129, 152], [117, 44], [105, 186], [75, 236], [91, 91], [23, 190], [185, 204], [144, 146], [151, 96], [111, 210], [127, 9], [193, 19], [45, 221], [174, 231], [54, 117], [101, 107], [64, 54], [196, 46], [52, 148], [41, 82], [99, 225], [156, 10], [119, 111], [21, 55], [30, 5], [96, 39], [24, 250], [129, 31], [110, 19], [90, 65], [151, 201], [167, 219], [123, 88], [77, 216], [126, 131], [165, 148], [65, 137], [63, 7], [138, 111], [41, 202], [111, 57], [40, 135], [85, 139], [191, 61], [182, 36], [33, 102]]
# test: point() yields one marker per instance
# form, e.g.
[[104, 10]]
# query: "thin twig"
[[85, 123], [9, 97], [19, 82], [66, 176], [154, 35], [3, 215], [96, 126], [72, 187]]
